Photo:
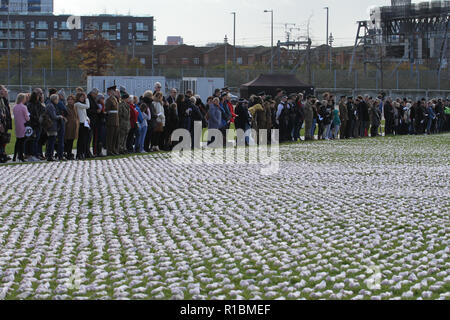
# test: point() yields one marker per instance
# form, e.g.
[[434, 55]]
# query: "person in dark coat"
[[7, 120], [389, 117], [52, 131], [243, 119], [181, 109], [148, 100], [172, 98], [343, 114], [364, 116], [196, 116], [93, 115], [36, 108], [375, 118], [61, 110], [299, 111], [171, 124]]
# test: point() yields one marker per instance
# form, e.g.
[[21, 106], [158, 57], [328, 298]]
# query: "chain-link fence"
[[374, 80]]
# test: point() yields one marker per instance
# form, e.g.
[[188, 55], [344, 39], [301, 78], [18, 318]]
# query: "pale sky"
[[204, 21]]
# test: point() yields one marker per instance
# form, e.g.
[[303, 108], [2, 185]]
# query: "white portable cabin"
[[135, 86], [204, 87]]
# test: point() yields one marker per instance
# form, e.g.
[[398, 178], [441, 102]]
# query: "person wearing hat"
[[124, 122], [112, 122]]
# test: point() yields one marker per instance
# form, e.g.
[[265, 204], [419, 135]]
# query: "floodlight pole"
[[271, 47]]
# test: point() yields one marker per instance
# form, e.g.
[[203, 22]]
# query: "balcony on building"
[[108, 27], [42, 25], [141, 27], [20, 25]]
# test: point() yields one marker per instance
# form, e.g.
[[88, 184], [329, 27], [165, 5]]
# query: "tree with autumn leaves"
[[96, 53]]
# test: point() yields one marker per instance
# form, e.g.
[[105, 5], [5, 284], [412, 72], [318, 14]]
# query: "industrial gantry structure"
[[405, 32]]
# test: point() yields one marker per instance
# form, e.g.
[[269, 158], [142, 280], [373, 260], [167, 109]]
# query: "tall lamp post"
[[9, 45], [328, 17], [226, 58], [271, 47], [234, 38]]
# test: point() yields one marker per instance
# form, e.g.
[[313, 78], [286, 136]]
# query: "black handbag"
[[5, 138]]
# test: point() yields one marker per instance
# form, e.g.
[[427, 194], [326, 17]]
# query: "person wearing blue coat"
[[215, 121], [431, 116]]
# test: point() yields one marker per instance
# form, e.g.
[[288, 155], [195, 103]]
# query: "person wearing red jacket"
[[133, 125], [231, 108]]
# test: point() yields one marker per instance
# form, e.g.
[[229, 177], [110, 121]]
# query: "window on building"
[[130, 26], [32, 34], [130, 36], [139, 26], [196, 61], [64, 25], [55, 25], [55, 34], [142, 60], [118, 35], [32, 24], [239, 60], [42, 25], [118, 25], [184, 61], [32, 44], [80, 35]]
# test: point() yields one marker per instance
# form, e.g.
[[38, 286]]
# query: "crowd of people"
[[119, 123]]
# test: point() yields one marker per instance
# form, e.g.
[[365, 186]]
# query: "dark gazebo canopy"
[[269, 83]]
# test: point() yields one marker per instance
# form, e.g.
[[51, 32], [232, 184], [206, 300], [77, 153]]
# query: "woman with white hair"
[[21, 116], [159, 121]]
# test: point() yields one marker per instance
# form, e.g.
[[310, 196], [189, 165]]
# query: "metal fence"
[[357, 80]]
